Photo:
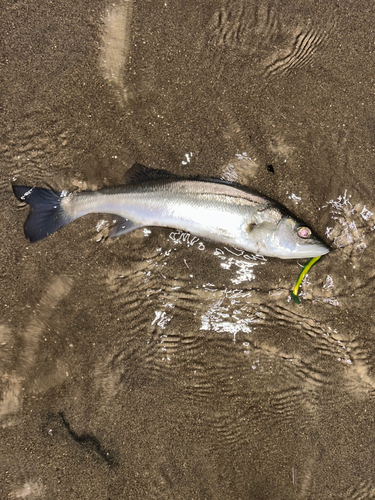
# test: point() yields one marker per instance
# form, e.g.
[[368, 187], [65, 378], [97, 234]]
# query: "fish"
[[213, 209]]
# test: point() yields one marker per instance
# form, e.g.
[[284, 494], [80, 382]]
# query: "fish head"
[[279, 234], [294, 240]]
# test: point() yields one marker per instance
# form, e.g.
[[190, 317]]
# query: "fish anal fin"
[[140, 173], [122, 226]]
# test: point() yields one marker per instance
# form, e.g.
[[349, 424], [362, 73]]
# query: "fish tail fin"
[[46, 212]]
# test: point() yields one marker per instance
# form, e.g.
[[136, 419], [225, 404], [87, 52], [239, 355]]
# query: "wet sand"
[[158, 365]]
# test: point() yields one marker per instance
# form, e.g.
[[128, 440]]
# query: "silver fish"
[[227, 213]]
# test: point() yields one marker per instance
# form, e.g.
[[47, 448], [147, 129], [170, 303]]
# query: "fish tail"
[[46, 214]]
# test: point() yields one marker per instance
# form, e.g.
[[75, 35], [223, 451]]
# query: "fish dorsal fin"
[[261, 230], [140, 173]]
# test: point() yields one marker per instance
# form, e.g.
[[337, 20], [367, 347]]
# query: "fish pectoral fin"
[[122, 226], [139, 173], [262, 229]]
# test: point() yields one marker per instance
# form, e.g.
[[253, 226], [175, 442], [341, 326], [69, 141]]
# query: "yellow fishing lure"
[[304, 271]]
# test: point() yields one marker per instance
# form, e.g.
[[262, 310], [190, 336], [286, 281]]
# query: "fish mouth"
[[317, 250], [309, 251], [326, 250]]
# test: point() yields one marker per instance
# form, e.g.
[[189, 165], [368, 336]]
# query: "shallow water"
[[159, 365]]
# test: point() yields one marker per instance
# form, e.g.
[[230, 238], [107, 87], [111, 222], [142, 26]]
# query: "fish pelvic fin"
[[46, 214], [123, 226]]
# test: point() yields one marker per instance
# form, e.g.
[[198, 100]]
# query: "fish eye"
[[304, 232]]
